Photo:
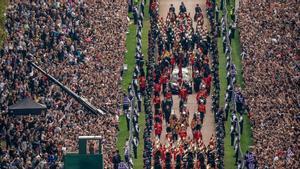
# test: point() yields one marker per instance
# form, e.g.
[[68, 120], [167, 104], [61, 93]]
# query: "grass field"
[[127, 77], [246, 138], [3, 4]]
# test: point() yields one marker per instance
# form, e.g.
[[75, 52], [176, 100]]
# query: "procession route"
[[208, 128]]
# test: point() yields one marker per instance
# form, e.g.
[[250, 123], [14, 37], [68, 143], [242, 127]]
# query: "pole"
[[82, 101]]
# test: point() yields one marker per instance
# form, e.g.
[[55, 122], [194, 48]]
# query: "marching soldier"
[[168, 163], [178, 161]]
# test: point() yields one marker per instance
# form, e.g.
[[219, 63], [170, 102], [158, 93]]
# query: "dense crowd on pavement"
[[76, 42], [180, 48], [269, 32]]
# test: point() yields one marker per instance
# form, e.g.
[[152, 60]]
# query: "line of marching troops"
[[180, 46]]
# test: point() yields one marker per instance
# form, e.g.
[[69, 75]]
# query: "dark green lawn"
[[3, 4]]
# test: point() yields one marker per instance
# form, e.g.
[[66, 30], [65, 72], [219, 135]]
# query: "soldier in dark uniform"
[[211, 158], [157, 163], [182, 8], [168, 160], [172, 8], [135, 15], [166, 107], [178, 161], [190, 159], [201, 159]]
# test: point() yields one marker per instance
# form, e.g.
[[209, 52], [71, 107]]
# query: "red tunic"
[[156, 100], [173, 61], [202, 108], [168, 96], [157, 87], [201, 93], [163, 79], [163, 153], [183, 93], [157, 128], [197, 135], [142, 81], [207, 81]]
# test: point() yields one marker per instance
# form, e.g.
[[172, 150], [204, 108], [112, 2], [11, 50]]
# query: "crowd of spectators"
[[80, 43], [269, 32]]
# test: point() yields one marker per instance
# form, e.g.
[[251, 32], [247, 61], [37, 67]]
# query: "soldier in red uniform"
[[164, 81], [183, 93], [207, 81], [157, 89], [157, 129], [156, 101], [202, 111], [201, 94], [197, 135], [168, 95]]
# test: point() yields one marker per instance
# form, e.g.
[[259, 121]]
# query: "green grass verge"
[[3, 4], [246, 137], [127, 77]]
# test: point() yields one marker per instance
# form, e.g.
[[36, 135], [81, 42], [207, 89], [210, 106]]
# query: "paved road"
[[208, 128], [189, 4]]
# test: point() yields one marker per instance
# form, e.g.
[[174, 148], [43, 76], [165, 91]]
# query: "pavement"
[[208, 128], [189, 4]]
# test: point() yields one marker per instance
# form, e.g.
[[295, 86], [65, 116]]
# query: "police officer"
[[139, 101], [135, 15], [232, 134], [135, 146], [241, 123], [136, 131], [126, 103]]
